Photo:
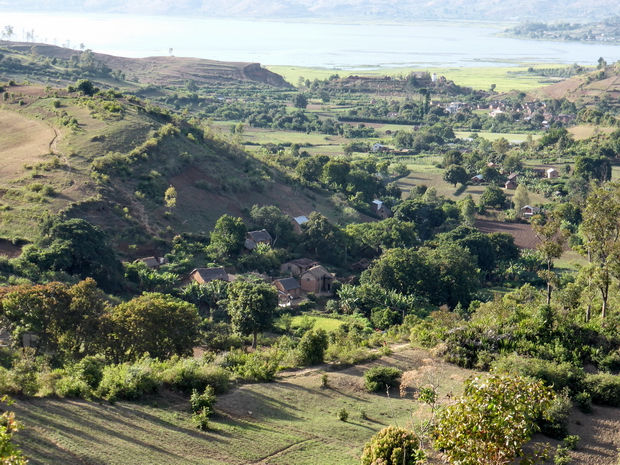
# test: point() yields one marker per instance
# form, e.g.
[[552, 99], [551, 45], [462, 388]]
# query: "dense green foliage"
[[393, 446]]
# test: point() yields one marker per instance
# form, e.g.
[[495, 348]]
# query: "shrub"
[[562, 456], [312, 347], [378, 378], [604, 389], [570, 442], [187, 374], [202, 402], [201, 420], [324, 380], [126, 381], [259, 366], [343, 414], [583, 401], [393, 446], [557, 417], [558, 375]]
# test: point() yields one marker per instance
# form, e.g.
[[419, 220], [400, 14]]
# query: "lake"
[[338, 46]]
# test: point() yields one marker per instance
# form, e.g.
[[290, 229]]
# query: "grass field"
[[511, 137], [584, 131], [320, 322], [475, 77], [291, 421]]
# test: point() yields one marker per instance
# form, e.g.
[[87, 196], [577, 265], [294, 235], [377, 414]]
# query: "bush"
[[202, 402], [188, 374], [312, 347], [343, 414], [570, 442], [604, 389], [557, 417], [583, 401], [393, 446], [126, 381], [378, 378], [201, 420], [558, 375], [259, 366]]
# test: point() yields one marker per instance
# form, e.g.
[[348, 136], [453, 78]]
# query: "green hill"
[[110, 158]]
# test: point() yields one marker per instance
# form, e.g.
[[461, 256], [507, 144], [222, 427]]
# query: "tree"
[[170, 198], [445, 275], [321, 238], [78, 248], [7, 32], [493, 197], [478, 244], [547, 229], [65, 320], [312, 347], [227, 237], [455, 174], [520, 199], [467, 210], [387, 234], [593, 168], [393, 446], [158, 324], [425, 216], [272, 219], [492, 420], [300, 101], [251, 307], [600, 230], [86, 87]]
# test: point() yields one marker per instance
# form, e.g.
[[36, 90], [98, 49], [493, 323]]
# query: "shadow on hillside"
[[99, 424]]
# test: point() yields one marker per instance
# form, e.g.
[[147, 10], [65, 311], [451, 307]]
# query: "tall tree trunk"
[[254, 334]]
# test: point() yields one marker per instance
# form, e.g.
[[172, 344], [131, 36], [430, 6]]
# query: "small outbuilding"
[[298, 221], [153, 262], [552, 173], [381, 209], [206, 275], [252, 238], [288, 286], [529, 210]]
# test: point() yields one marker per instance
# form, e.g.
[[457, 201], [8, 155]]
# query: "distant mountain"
[[395, 10]]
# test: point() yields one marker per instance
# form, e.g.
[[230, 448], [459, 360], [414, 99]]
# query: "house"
[[297, 222], [297, 267], [153, 262], [392, 115], [317, 279], [477, 179], [510, 185], [361, 265], [377, 147], [529, 211], [381, 209], [252, 238], [552, 173], [288, 287], [513, 177], [206, 275]]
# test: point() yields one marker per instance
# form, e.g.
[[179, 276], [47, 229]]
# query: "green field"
[[494, 136], [473, 76]]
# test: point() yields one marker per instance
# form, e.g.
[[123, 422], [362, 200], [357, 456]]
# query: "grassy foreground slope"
[[292, 420]]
